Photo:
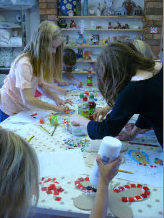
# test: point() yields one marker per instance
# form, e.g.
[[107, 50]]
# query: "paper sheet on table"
[[61, 163], [143, 174], [30, 116]]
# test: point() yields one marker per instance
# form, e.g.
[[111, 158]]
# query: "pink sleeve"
[[23, 76]]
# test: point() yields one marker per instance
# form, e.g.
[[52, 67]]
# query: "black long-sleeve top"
[[144, 97]]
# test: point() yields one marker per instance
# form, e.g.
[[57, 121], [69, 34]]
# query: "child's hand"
[[61, 90], [107, 171], [66, 108], [60, 102], [79, 84], [63, 83], [67, 101], [62, 109]]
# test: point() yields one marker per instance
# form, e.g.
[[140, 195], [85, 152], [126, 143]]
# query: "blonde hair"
[[40, 53], [143, 48], [18, 176]]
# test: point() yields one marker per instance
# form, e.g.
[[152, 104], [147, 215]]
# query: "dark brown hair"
[[69, 57], [116, 65]]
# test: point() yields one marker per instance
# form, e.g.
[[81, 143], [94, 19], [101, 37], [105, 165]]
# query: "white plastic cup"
[[109, 151]]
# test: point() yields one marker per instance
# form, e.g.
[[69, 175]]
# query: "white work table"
[[45, 144]]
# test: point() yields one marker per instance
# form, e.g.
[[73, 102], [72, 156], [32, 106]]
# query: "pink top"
[[20, 77]]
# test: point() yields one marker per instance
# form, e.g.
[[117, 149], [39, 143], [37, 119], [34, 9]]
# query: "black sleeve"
[[143, 123], [123, 110]]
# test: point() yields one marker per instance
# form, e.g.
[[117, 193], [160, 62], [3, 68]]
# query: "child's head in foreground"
[[18, 176]]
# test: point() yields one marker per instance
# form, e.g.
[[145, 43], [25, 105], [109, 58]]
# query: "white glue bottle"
[[109, 151]]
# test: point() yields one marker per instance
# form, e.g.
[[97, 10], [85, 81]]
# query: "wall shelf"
[[11, 46], [102, 17], [87, 61], [84, 46], [134, 23], [80, 72], [4, 68], [124, 30], [13, 27]]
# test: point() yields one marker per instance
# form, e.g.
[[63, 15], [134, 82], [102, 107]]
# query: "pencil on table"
[[53, 130], [44, 129], [30, 138], [124, 171], [136, 143]]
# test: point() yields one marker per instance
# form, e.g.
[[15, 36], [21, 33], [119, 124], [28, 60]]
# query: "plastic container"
[[84, 107], [80, 103], [55, 119], [86, 93], [91, 106], [85, 8], [89, 78], [109, 151]]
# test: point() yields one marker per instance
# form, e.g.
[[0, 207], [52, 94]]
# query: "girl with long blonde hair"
[[18, 176], [40, 62]]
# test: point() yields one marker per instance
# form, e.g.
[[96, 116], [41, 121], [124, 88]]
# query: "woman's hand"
[[77, 119], [129, 127], [107, 171], [100, 112], [125, 136]]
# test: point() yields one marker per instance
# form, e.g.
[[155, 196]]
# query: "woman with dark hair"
[[131, 84]]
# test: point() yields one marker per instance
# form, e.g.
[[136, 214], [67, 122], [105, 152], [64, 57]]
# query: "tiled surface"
[[150, 208], [2, 78]]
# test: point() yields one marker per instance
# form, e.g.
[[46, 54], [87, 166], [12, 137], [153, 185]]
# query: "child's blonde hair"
[[143, 48], [18, 176], [40, 51]]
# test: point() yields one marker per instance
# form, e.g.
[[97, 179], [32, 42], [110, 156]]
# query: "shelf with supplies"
[[12, 36], [126, 30], [4, 68], [101, 17], [12, 27], [11, 46], [80, 71], [88, 35], [87, 61], [84, 46]]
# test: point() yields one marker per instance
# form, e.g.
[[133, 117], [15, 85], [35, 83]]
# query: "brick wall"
[[153, 18], [48, 10]]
